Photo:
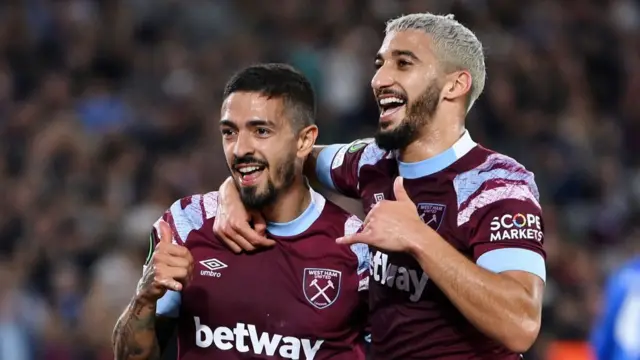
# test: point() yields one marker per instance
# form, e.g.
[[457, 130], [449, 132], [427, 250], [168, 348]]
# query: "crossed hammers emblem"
[[434, 218], [321, 291]]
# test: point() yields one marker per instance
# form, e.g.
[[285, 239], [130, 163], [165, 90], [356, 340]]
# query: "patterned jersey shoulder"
[[339, 166], [499, 210], [186, 215], [338, 220], [183, 216]]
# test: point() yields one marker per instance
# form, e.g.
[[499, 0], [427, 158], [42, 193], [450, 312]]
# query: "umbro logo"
[[212, 265]]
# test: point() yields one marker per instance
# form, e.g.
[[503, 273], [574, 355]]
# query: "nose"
[[382, 78], [244, 144]]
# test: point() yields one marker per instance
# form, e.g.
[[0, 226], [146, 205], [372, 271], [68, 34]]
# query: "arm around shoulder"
[[337, 166]]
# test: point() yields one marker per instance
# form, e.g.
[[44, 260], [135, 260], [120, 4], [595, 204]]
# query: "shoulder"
[[338, 219], [493, 180], [190, 213], [344, 223], [366, 151]]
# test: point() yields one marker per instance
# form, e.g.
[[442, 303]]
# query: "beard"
[[419, 113], [253, 199]]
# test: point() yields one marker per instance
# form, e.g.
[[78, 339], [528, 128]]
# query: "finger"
[[231, 245], [172, 249], [172, 261], [170, 284], [259, 224], [240, 241], [369, 217], [399, 190], [352, 239], [245, 231], [166, 235]]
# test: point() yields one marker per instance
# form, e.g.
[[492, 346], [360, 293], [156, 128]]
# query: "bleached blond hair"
[[455, 46]]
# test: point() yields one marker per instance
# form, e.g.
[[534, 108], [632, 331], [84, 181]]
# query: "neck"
[[290, 204], [436, 137]]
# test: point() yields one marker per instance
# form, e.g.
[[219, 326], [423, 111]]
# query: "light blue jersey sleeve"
[[324, 163], [169, 305]]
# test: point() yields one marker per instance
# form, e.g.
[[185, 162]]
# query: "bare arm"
[[134, 337], [310, 165], [139, 334], [501, 295], [505, 306]]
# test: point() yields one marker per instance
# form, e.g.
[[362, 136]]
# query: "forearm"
[[310, 165], [134, 336], [495, 304]]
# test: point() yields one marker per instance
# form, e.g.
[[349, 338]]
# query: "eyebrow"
[[250, 123], [398, 53]]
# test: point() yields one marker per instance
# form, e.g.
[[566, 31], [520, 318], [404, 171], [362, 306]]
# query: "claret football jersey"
[[485, 204], [305, 298]]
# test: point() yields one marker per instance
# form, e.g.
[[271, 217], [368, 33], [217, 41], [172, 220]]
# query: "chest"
[[398, 277], [289, 289], [435, 199]]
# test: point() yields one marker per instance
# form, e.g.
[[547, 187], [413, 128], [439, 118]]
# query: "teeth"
[[391, 100], [246, 170]]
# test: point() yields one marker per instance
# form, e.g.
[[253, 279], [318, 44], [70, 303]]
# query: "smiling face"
[[260, 147], [407, 86]]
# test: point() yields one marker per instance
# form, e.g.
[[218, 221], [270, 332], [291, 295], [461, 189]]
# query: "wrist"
[[145, 301], [227, 186], [416, 241]]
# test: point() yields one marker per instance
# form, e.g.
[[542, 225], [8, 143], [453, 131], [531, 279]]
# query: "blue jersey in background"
[[616, 335]]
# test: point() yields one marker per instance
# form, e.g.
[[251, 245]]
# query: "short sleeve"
[[338, 166], [508, 235]]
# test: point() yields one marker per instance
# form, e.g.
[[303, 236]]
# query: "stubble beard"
[[419, 114]]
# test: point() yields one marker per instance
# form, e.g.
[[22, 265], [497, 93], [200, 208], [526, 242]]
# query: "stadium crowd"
[[109, 110]]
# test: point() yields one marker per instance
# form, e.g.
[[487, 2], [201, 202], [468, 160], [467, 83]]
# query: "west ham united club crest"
[[321, 287], [432, 214]]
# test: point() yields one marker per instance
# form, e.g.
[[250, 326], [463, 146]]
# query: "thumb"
[[399, 191], [166, 235]]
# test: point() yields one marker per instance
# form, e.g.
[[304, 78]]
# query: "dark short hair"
[[278, 81]]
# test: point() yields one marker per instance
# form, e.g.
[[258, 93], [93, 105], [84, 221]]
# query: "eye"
[[377, 64], [403, 64], [263, 131], [227, 132]]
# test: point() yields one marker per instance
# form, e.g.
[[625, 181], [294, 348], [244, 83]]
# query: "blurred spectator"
[[108, 113]]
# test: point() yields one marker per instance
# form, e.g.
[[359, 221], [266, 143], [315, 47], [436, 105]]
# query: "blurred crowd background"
[[109, 110]]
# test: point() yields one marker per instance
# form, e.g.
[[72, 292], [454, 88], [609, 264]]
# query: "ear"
[[458, 85], [306, 139]]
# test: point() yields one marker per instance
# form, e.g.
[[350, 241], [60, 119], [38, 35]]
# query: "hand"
[[390, 225], [232, 223], [170, 268]]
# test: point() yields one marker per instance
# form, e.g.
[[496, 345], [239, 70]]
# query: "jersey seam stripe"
[[174, 229]]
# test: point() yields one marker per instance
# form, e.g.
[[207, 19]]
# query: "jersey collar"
[[303, 222], [437, 163]]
